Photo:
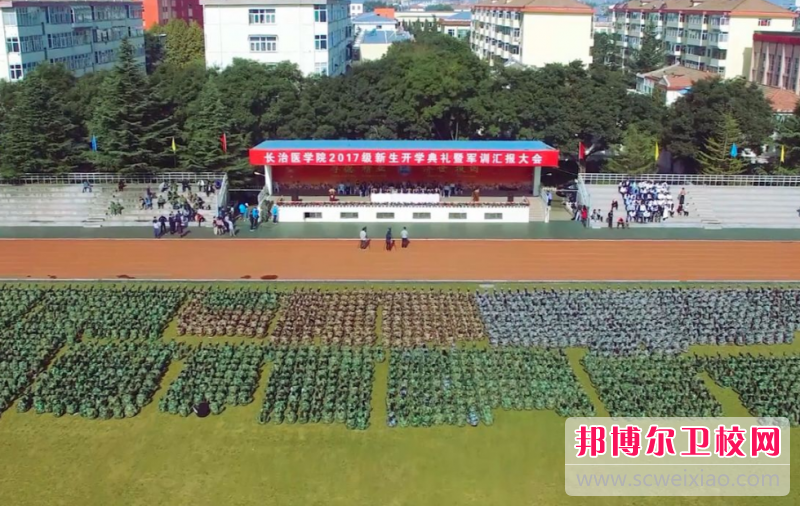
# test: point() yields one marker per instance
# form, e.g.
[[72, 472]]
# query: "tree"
[[789, 137], [604, 50], [153, 49], [37, 135], [695, 117], [182, 43], [650, 55], [439, 8], [716, 156], [261, 100], [204, 130], [637, 153], [128, 122]]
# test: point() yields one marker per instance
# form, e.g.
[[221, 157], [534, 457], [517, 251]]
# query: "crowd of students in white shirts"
[[647, 202]]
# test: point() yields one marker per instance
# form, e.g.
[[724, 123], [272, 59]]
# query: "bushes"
[[656, 386], [101, 381], [345, 317], [768, 386], [637, 321], [223, 375], [321, 384], [229, 312], [458, 387], [416, 317]]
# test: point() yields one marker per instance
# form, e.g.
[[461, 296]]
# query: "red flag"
[[224, 143], [581, 151]]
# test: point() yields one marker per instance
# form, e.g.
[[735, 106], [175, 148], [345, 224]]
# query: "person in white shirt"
[[364, 239], [404, 238]]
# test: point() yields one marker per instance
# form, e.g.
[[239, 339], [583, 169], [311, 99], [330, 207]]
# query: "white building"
[[712, 35], [370, 21], [457, 25], [314, 35], [532, 32], [673, 81], [375, 44], [81, 35], [356, 8]]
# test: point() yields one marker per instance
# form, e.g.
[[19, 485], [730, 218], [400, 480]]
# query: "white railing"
[[262, 201], [583, 197], [100, 178], [222, 193], [692, 179]]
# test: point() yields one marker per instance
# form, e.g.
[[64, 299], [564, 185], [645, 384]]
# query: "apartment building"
[[82, 36], [776, 60], [315, 35], [456, 25], [356, 8], [161, 12], [708, 35], [532, 32]]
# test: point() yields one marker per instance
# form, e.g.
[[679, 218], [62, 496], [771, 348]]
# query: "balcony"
[[722, 44], [716, 62], [694, 58]]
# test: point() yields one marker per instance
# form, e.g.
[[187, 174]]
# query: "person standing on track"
[[404, 238], [363, 237], [389, 241], [253, 219]]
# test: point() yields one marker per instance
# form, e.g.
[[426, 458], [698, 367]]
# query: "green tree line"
[[433, 88]]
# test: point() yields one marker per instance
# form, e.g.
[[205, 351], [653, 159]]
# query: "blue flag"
[[734, 150], [94, 143]]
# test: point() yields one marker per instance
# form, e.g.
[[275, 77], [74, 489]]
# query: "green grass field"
[[159, 459]]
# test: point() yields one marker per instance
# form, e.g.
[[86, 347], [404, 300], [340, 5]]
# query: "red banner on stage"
[[411, 158]]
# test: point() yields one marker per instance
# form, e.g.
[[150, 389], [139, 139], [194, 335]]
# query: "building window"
[[764, 22], [385, 216], [321, 69], [348, 216], [320, 14], [12, 45], [457, 216], [421, 216], [320, 42], [15, 72], [59, 15], [262, 16], [263, 43], [492, 216]]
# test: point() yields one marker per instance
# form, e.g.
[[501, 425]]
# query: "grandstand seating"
[[716, 205], [66, 205], [748, 206], [602, 195]]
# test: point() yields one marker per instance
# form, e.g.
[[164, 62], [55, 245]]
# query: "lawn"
[[161, 459]]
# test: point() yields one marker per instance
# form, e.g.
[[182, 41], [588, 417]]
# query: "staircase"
[[701, 209], [537, 209]]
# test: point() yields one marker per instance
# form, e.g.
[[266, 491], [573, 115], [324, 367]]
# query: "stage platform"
[[455, 210]]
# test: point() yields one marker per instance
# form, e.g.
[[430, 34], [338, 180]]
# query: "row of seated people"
[[363, 189]]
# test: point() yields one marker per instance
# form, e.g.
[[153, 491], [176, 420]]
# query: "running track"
[[431, 260]]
